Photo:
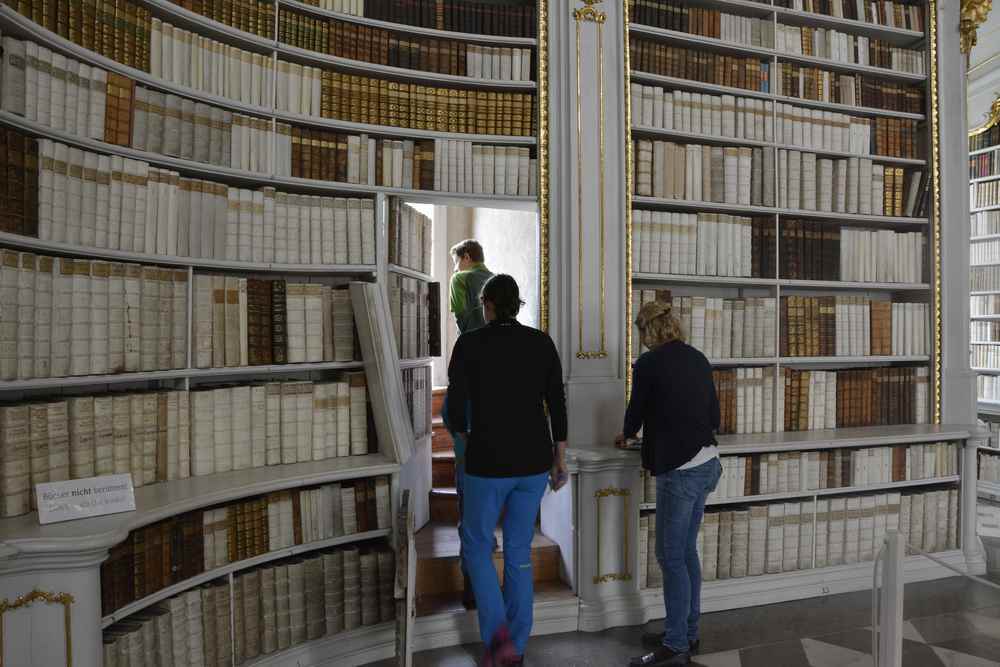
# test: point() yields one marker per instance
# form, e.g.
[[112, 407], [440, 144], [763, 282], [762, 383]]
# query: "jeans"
[[520, 499], [680, 506], [459, 446]]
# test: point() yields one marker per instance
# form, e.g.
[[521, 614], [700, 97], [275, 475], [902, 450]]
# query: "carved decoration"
[[65, 599], [974, 13]]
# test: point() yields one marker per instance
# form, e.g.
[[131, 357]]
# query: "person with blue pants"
[[505, 382]]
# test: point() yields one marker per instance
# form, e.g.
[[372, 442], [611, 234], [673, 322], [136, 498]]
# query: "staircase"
[[439, 573]]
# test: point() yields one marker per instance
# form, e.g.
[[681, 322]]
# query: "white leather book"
[[241, 441], [368, 243], [790, 540], [340, 231], [931, 507], [313, 321], [258, 426], [243, 323], [223, 430], [343, 417], [81, 437], [775, 538], [274, 424], [289, 423], [710, 551], [354, 232], [511, 168], [757, 540], [303, 414], [15, 460], [295, 304], [358, 414], [315, 249]]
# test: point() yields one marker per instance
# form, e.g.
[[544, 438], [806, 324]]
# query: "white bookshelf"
[[987, 409]]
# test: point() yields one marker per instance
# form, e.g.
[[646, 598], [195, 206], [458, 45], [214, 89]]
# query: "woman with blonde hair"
[[674, 402]]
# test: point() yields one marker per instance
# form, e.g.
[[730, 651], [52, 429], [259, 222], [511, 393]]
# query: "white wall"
[[510, 243], [984, 69]]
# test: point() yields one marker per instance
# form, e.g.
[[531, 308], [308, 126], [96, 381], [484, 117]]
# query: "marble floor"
[[948, 623]]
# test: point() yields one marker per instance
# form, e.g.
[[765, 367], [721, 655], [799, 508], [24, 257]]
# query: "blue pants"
[[680, 506], [520, 499], [458, 443]]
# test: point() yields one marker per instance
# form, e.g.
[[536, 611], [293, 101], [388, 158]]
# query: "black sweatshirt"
[[509, 373], [674, 402]]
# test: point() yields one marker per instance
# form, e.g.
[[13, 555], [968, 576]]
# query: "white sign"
[[83, 498]]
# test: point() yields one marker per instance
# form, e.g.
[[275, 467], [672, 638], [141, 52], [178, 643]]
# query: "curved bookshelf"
[[684, 204], [783, 282], [163, 500], [899, 36], [185, 18], [405, 27], [410, 273], [362, 645], [238, 566]]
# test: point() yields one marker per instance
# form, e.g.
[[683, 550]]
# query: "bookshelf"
[[484, 104]]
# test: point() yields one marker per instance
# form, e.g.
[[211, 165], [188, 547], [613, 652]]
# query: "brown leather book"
[[361, 505], [296, 517]]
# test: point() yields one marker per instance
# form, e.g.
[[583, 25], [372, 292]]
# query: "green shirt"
[[466, 286]]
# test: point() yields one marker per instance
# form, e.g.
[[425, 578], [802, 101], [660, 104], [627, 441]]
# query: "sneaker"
[[652, 640], [501, 650], [661, 657]]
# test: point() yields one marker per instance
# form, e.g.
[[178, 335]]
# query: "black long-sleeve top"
[[508, 373], [674, 402]]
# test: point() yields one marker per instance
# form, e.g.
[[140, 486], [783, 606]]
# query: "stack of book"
[[817, 251], [843, 47], [985, 356], [986, 139], [905, 14], [188, 59], [81, 317], [416, 384], [253, 16], [731, 175], [728, 328], [703, 244], [52, 90], [984, 332], [786, 537], [171, 551], [985, 222], [412, 309], [241, 322], [192, 628], [984, 194], [345, 39], [983, 305], [832, 131], [989, 467], [985, 278], [676, 15], [812, 83], [461, 166], [409, 237], [988, 387], [749, 73], [716, 115], [512, 18], [116, 29]]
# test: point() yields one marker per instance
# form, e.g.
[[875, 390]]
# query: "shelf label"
[[84, 498]]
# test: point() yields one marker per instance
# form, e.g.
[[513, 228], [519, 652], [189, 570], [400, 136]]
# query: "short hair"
[[658, 324], [501, 290], [470, 248]]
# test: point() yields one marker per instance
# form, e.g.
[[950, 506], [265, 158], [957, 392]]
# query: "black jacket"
[[508, 373], [674, 402]]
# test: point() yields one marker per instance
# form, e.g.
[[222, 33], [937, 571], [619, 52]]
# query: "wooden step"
[[443, 469], [451, 603], [439, 573], [444, 505], [437, 401], [441, 438]]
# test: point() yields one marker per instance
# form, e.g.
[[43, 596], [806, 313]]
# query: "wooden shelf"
[[898, 36], [410, 273], [702, 206], [985, 179], [155, 502], [497, 40], [736, 281], [238, 566]]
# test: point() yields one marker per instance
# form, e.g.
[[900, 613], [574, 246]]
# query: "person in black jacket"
[[674, 402], [507, 375]]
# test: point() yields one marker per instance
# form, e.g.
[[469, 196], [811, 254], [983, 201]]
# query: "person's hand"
[[558, 475], [620, 441]]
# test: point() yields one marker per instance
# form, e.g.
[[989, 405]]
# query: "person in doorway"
[[466, 285], [674, 401], [501, 379]]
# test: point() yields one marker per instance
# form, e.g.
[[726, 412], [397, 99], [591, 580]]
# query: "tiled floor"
[[948, 623]]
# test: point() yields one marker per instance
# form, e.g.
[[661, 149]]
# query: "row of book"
[[984, 304], [710, 244], [843, 47], [988, 387], [173, 550], [985, 356], [409, 236], [983, 278], [416, 390], [795, 400], [983, 223], [813, 83], [984, 253], [984, 194], [19, 188], [415, 309], [678, 16], [987, 164], [822, 326], [906, 14], [989, 467], [461, 166], [117, 203], [169, 435], [346, 39], [250, 322], [787, 537], [790, 472], [52, 90], [985, 139], [988, 332], [253, 16], [67, 317], [727, 328], [652, 57], [511, 18], [115, 29], [267, 609], [188, 59]]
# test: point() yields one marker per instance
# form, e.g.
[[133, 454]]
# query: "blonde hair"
[[658, 324]]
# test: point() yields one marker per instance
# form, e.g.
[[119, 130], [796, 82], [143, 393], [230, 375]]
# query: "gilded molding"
[[992, 119], [583, 15], [625, 495], [936, 205], [973, 15], [543, 165], [627, 78], [65, 599]]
